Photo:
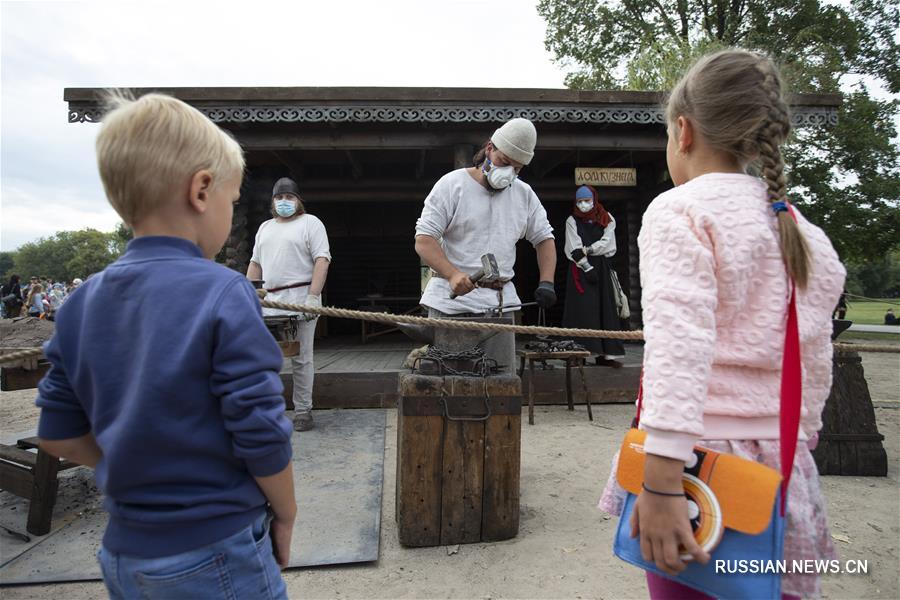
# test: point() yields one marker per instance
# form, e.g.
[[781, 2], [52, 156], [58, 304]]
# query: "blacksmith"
[[485, 209]]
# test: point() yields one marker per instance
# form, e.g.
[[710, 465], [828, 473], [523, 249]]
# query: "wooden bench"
[[32, 475], [571, 358]]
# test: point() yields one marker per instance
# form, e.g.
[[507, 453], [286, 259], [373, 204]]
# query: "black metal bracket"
[[487, 408]]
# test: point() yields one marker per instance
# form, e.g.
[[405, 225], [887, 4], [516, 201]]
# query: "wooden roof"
[[244, 105]]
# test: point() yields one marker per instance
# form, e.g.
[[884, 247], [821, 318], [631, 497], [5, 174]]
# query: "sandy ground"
[[563, 549]]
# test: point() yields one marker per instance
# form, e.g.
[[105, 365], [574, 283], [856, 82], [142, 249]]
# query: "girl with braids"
[[717, 254]]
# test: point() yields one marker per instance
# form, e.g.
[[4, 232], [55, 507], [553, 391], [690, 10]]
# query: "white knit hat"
[[516, 139]]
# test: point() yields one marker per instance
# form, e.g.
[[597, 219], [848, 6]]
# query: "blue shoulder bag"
[[736, 506]]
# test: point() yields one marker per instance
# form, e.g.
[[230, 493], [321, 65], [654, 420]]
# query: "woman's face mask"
[[498, 178], [285, 208], [585, 206]]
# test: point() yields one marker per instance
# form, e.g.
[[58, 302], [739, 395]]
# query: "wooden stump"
[[458, 472], [849, 442]]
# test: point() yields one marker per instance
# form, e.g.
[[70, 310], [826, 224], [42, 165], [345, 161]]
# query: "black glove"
[[591, 276], [577, 254], [545, 295]]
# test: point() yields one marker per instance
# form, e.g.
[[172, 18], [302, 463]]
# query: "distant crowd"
[[40, 297]]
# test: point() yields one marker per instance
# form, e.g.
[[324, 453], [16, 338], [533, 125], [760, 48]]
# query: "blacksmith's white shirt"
[[287, 253], [469, 221]]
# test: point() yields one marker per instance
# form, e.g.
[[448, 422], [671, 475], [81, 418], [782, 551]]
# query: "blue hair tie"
[[778, 207]]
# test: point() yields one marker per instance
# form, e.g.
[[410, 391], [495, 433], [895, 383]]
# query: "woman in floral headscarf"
[[590, 291]]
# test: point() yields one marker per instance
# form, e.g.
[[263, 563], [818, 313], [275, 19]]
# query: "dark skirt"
[[593, 306]]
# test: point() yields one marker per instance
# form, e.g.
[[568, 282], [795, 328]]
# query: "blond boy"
[[164, 378]]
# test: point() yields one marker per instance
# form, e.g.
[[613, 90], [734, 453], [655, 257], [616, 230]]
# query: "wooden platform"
[[351, 375], [347, 355]]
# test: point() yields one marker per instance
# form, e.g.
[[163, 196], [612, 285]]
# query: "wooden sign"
[[606, 177]]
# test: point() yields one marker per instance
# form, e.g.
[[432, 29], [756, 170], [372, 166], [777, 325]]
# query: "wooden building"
[[365, 159]]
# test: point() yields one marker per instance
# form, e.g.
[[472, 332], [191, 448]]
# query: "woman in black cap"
[[291, 254]]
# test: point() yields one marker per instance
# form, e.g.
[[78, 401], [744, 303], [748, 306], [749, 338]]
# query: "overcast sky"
[[48, 177]]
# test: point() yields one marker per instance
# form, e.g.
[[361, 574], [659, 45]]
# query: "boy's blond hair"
[[150, 147]]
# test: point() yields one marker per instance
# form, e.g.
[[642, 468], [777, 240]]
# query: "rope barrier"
[[387, 318], [881, 300], [10, 355], [847, 347]]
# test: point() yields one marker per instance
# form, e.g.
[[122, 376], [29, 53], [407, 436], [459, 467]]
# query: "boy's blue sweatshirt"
[[165, 358]]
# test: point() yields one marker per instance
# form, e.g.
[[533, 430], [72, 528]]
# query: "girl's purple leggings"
[[661, 588]]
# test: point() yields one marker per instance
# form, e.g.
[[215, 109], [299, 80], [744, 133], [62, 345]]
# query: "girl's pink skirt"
[[806, 526]]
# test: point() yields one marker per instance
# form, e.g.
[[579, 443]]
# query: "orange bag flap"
[[630, 471], [745, 489]]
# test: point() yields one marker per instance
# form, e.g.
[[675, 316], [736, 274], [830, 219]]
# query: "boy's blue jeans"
[[238, 567]]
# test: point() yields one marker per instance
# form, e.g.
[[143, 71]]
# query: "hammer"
[[488, 271]]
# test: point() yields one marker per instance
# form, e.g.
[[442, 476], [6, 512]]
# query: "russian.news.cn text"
[[802, 567]]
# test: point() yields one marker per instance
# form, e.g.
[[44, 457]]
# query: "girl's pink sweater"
[[714, 304]]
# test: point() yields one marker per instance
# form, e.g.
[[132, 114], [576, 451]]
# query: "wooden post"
[[43, 495], [587, 394], [649, 186], [849, 442], [420, 164], [633, 213]]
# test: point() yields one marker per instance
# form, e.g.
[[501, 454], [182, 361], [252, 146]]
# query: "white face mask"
[[498, 178], [585, 205], [285, 208]]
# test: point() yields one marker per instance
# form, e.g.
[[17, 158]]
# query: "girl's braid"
[[774, 131]]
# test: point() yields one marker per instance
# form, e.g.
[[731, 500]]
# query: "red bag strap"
[[791, 392], [791, 389]]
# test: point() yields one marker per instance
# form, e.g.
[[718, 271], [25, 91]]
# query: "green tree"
[[67, 254], [876, 278], [37, 259], [120, 238], [845, 178], [7, 260]]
